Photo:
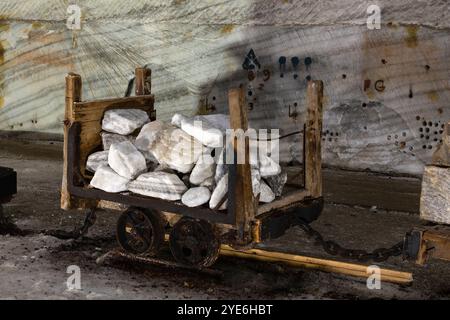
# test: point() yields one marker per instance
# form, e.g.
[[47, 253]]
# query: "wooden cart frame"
[[246, 221]]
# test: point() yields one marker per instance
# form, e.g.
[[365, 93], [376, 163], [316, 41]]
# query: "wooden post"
[[243, 197], [312, 134], [144, 86], [73, 94], [143, 81]]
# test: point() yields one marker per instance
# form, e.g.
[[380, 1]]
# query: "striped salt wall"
[[196, 50]]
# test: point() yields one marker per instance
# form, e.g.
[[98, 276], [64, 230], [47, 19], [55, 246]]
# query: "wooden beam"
[[313, 132], [143, 81], [73, 94], [346, 268], [245, 206], [285, 201]]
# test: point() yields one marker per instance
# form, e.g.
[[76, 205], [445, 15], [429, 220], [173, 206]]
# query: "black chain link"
[[333, 248]]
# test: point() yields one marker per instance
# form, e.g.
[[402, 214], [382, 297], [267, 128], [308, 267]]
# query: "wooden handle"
[[143, 81], [245, 206], [312, 136], [73, 94]]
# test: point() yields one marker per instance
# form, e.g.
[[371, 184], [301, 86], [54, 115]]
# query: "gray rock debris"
[[108, 180], [124, 121], [160, 184], [277, 182], [126, 160], [195, 197], [96, 159]]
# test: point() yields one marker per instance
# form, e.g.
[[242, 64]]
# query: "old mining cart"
[[197, 235]]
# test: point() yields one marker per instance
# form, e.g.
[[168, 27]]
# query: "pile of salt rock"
[[174, 161]]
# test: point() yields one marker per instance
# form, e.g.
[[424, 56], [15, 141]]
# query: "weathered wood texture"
[[245, 205], [386, 91], [435, 197], [313, 132], [73, 94]]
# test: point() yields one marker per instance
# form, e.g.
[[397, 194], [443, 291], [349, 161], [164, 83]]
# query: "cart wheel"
[[194, 243], [140, 231]]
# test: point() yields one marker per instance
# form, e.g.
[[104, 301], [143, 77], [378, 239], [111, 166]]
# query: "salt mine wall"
[[386, 91]]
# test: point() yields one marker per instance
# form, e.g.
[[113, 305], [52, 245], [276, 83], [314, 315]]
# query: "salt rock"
[[204, 168], [160, 184], [195, 197], [208, 129], [277, 182], [149, 133], [176, 149], [109, 138], [266, 195], [219, 193], [124, 121], [221, 167], [208, 183], [96, 159], [268, 167], [126, 160], [108, 180], [256, 181]]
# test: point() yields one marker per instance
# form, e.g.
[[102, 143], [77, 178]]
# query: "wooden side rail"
[[89, 115]]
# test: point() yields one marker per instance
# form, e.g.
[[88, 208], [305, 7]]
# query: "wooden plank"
[[313, 138], [90, 114], [346, 268], [285, 201], [73, 94], [143, 81], [435, 196], [245, 205]]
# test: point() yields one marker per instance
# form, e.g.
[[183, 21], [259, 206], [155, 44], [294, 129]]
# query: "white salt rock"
[[109, 138], [126, 160], [176, 149], [268, 167], [208, 183], [256, 181], [160, 184], [204, 168], [96, 159], [219, 193], [277, 182], [221, 167], [163, 168], [108, 180], [124, 121], [195, 197], [266, 195], [208, 130], [149, 133]]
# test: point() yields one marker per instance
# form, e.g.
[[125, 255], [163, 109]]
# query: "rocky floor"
[[363, 210]]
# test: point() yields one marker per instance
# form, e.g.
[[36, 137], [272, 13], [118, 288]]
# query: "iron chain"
[[333, 248]]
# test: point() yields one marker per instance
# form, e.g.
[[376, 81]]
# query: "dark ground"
[[363, 210]]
